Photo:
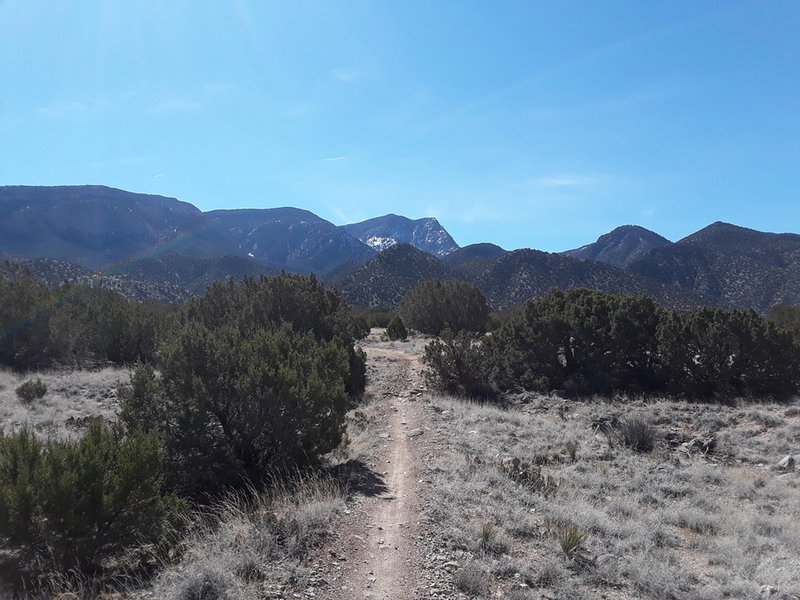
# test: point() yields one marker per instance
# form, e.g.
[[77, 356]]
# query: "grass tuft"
[[572, 540], [572, 449], [472, 581], [638, 435]]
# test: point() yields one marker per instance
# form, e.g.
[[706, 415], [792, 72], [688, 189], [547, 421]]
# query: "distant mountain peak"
[[728, 234], [426, 234], [620, 246]]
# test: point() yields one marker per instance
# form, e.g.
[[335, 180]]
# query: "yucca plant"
[[572, 540], [572, 449], [488, 536]]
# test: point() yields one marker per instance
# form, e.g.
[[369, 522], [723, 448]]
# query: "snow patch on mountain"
[[380, 243]]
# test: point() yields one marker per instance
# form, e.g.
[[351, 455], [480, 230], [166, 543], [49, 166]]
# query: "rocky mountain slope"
[[522, 274], [737, 267], [192, 274], [509, 279], [161, 248], [54, 273], [621, 246], [474, 259], [96, 226], [289, 238], [384, 280], [425, 234]]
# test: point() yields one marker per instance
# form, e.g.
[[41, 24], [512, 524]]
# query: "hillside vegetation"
[[585, 342], [237, 442], [235, 389]]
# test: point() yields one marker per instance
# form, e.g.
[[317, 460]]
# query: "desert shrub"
[[710, 352], [571, 446], [74, 505], [530, 476], [585, 341], [31, 390], [377, 317], [97, 324], [457, 365], [40, 327], [25, 310], [396, 330], [360, 327], [270, 303], [472, 581], [580, 340], [433, 306], [232, 408], [638, 435], [786, 317], [205, 583]]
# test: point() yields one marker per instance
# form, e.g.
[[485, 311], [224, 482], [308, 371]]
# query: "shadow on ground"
[[358, 478]]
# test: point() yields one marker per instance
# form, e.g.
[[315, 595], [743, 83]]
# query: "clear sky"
[[528, 124]]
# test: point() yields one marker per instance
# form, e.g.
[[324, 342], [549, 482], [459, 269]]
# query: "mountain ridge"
[[425, 234], [127, 240], [620, 246]]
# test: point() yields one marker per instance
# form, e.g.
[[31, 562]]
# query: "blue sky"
[[528, 124]]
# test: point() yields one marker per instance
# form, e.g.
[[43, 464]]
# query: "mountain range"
[[162, 248]]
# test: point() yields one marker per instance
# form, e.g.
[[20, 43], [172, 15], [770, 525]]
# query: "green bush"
[[585, 341], [396, 329], [377, 317], [270, 303], [97, 324], [75, 505], [457, 365], [786, 317], [360, 327], [40, 327], [710, 352], [232, 409], [25, 310], [31, 390], [433, 306], [580, 340]]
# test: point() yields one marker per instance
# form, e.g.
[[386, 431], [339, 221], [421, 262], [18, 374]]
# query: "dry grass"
[[622, 524], [79, 395], [252, 543]]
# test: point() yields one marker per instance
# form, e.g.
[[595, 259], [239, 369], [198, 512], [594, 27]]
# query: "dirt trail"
[[379, 554]]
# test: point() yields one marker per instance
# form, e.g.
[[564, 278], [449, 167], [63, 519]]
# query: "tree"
[[396, 329], [72, 504], [433, 306], [270, 303], [458, 365], [232, 409], [581, 340], [361, 328], [711, 352], [25, 310], [786, 317]]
